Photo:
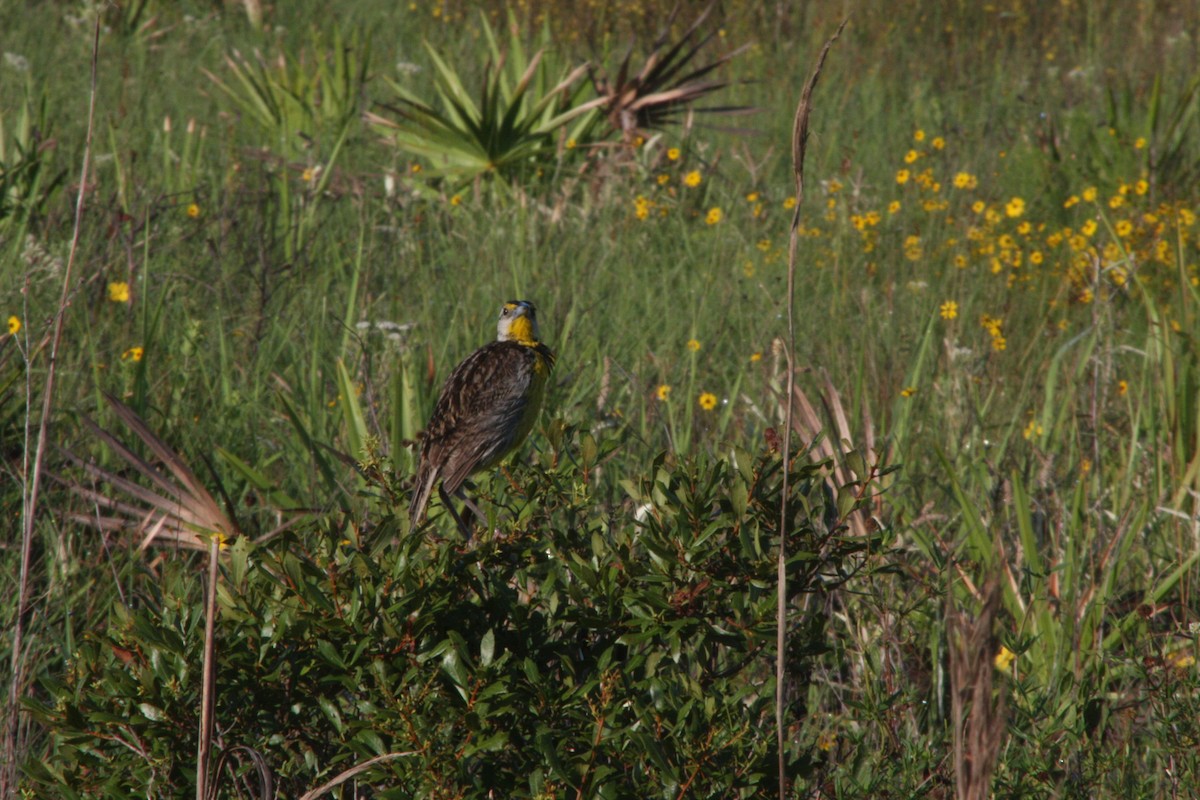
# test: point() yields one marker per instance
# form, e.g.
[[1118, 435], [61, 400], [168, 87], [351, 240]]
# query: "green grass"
[[615, 636]]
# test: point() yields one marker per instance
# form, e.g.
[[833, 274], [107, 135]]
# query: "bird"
[[486, 409]]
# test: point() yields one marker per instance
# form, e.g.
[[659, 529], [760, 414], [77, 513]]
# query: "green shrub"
[[617, 653]]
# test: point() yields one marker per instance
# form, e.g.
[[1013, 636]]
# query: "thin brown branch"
[[350, 773], [207, 690]]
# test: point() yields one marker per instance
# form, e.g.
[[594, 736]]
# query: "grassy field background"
[[994, 540]]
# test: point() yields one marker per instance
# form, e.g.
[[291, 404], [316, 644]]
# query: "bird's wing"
[[477, 414]]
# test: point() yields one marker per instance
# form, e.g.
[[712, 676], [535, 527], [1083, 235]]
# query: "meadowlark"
[[486, 409]]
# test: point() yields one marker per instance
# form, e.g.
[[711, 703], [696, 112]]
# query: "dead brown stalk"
[[32, 475], [799, 145], [977, 711]]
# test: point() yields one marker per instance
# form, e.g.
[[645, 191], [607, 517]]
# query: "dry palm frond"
[[666, 84], [175, 511], [838, 443]]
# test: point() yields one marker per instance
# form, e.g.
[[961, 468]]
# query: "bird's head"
[[518, 323]]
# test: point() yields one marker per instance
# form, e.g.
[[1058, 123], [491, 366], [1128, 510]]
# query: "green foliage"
[[1014, 321], [28, 177], [301, 101], [526, 113], [565, 651]]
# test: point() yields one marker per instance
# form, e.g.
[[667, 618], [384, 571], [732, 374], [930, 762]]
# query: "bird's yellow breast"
[[543, 361], [521, 330]]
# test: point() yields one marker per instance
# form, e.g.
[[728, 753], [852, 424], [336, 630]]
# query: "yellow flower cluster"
[[994, 327], [642, 206]]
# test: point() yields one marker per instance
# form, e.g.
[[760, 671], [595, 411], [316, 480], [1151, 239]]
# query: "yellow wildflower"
[[918, 135], [708, 401], [1004, 658], [193, 210], [713, 216], [663, 392], [949, 309], [912, 247], [902, 176], [14, 325], [118, 292], [908, 391], [693, 345], [641, 207], [673, 154], [133, 354], [1015, 207], [692, 179], [911, 156]]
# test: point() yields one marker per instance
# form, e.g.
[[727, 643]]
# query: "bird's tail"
[[426, 478]]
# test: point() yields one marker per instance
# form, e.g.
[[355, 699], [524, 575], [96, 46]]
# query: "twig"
[[32, 475], [799, 144], [350, 773], [207, 692]]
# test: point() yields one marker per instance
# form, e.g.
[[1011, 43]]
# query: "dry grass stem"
[[799, 142], [9, 752]]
